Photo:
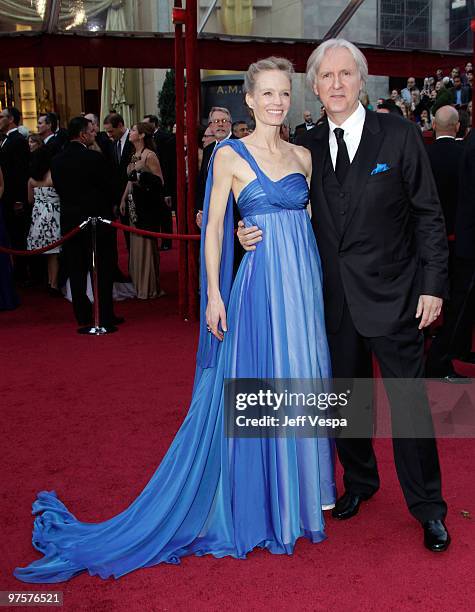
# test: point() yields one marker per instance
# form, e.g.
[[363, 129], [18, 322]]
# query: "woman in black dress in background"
[[143, 196]]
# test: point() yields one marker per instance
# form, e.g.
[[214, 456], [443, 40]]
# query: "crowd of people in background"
[[52, 180], [56, 178]]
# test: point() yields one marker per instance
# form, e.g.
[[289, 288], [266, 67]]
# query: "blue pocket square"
[[380, 168]]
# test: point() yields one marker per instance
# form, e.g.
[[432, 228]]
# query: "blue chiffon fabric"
[[212, 494]]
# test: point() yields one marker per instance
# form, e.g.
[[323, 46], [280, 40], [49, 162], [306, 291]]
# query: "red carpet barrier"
[[44, 249], [77, 229], [141, 232], [192, 272]]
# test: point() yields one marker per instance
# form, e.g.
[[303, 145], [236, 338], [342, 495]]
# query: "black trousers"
[[125, 220], [417, 463], [77, 254], [166, 224], [454, 339], [17, 225]]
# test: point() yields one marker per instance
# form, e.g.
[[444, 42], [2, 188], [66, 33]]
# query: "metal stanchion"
[[97, 329]]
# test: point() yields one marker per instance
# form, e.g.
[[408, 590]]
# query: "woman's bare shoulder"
[[225, 157], [304, 156]]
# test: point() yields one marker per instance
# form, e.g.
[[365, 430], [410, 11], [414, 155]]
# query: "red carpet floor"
[[92, 417]]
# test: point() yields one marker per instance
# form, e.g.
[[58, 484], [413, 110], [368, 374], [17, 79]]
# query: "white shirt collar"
[[48, 138], [354, 121], [11, 131], [445, 136], [353, 128]]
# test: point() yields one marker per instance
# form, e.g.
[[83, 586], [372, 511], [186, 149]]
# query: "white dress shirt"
[[48, 138], [353, 128]]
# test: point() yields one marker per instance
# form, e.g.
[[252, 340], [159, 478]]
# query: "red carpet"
[[92, 417]]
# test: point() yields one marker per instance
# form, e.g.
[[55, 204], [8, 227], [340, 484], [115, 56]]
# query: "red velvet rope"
[[141, 232], [44, 249]]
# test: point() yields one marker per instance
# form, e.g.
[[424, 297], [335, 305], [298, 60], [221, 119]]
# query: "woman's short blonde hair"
[[315, 60], [264, 65]]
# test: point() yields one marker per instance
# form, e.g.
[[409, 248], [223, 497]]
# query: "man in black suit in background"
[[454, 339], [460, 93], [120, 154], [220, 122], [102, 142], [14, 161], [46, 128], [445, 156], [165, 145], [84, 186], [308, 124], [381, 236]]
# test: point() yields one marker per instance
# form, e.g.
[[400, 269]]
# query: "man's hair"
[[77, 126], [153, 119], [316, 58], [50, 119], [94, 119], [114, 119], [14, 113], [390, 106], [220, 109], [446, 118], [236, 123]]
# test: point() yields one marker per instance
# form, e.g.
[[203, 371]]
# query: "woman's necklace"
[[137, 157]]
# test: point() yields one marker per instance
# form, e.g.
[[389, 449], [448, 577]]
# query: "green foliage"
[[166, 101]]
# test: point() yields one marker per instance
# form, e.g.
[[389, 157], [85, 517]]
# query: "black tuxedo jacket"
[[104, 143], [55, 145], [465, 216], [165, 143], [62, 137], [445, 157], [203, 175], [301, 129], [83, 184], [119, 170], [14, 161], [392, 245]]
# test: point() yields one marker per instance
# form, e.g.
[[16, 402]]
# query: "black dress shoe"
[[91, 330], [347, 506], [456, 378], [436, 536]]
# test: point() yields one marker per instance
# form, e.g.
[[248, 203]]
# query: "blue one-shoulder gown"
[[212, 494]]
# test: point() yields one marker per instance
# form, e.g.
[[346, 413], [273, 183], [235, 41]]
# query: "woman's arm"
[[31, 192], [123, 201], [306, 159], [222, 183]]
